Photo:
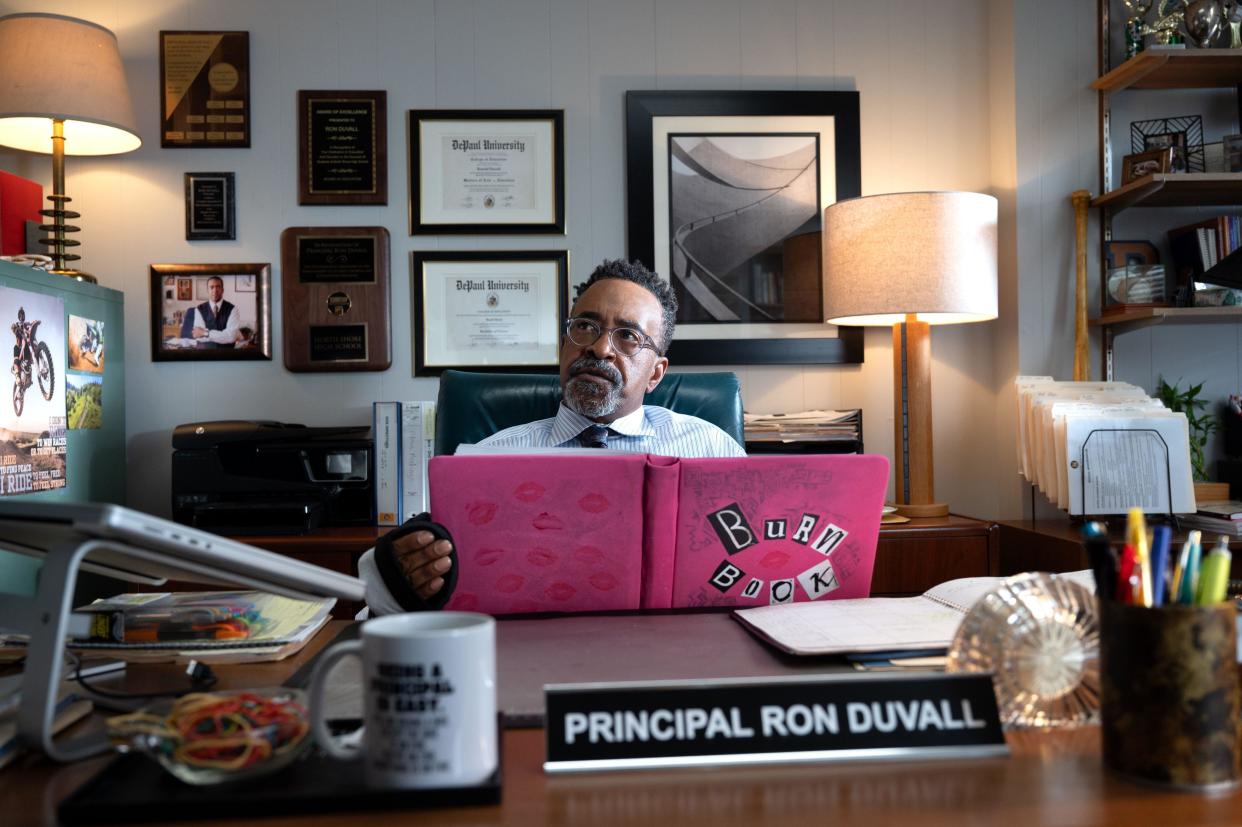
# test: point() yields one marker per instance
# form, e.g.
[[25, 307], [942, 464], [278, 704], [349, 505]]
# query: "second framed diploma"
[[477, 171], [488, 310]]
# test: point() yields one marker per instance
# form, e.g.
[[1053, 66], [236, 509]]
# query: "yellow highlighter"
[[1136, 536], [1214, 575]]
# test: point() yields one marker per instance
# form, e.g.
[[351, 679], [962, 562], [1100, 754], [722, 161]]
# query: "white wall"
[[927, 96]]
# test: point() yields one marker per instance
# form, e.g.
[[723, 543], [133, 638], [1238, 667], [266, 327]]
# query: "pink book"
[[574, 533]]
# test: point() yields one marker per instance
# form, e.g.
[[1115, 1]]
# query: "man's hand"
[[424, 560], [199, 332]]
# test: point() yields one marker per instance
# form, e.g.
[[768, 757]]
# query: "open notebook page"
[[872, 624]]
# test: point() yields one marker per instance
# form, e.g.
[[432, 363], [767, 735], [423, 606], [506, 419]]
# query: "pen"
[[1179, 572], [1125, 572], [1190, 577], [1160, 537], [1136, 531], [1102, 558], [1214, 575]]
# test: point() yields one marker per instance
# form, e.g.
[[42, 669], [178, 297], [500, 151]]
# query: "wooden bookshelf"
[[1175, 69], [1135, 318], [1183, 189]]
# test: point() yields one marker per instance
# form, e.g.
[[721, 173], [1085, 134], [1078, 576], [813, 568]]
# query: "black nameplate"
[[209, 206], [638, 726], [342, 140], [333, 259], [338, 343]]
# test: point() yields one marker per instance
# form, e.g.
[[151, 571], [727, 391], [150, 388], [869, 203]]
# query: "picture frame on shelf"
[[342, 147], [1231, 146], [488, 310], [1141, 164], [487, 171], [745, 265], [1134, 276], [184, 328], [1184, 134]]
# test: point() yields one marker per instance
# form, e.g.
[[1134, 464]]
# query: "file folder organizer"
[[575, 533], [1123, 468]]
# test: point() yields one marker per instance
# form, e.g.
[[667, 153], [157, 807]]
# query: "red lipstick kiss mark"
[[594, 503], [541, 557], [560, 590], [466, 602], [588, 554], [510, 583], [528, 492], [481, 512], [603, 581], [489, 556], [546, 522], [774, 560]]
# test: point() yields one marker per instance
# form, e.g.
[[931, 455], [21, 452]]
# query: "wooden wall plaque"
[[334, 289]]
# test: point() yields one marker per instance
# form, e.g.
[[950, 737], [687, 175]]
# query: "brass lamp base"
[[76, 274]]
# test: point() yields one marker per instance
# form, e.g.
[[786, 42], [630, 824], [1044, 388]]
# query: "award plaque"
[[342, 147], [210, 206], [334, 285], [205, 89]]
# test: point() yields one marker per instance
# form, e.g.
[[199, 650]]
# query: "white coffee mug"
[[429, 699]]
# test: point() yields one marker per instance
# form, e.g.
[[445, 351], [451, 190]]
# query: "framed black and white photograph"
[[488, 310], [210, 206], [228, 322], [1184, 135], [726, 198], [499, 171], [1140, 164]]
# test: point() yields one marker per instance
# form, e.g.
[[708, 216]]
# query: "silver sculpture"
[[1202, 21]]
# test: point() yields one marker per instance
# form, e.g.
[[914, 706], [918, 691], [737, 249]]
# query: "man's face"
[[596, 380], [215, 289]]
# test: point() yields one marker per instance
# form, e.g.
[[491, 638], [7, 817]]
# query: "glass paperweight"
[[207, 738], [1038, 636]]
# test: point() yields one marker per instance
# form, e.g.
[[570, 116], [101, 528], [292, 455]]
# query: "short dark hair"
[[635, 272], [220, 279]]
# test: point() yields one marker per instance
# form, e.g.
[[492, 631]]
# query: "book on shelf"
[[875, 624], [404, 434], [805, 426], [1223, 510], [1212, 525], [1197, 248]]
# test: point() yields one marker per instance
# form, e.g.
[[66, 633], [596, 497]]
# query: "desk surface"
[[1054, 778]]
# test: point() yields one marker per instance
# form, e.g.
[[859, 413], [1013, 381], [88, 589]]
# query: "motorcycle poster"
[[86, 345], [32, 399]]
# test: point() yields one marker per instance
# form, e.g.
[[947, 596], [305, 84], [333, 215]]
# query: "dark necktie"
[[595, 436]]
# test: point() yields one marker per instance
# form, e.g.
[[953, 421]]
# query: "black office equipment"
[[260, 477]]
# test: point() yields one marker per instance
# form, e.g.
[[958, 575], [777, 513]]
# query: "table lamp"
[[911, 260], [62, 91]]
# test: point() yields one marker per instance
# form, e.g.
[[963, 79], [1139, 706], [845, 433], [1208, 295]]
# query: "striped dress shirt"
[[648, 430]]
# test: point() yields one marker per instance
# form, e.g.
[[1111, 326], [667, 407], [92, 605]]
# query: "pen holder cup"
[[1169, 694]]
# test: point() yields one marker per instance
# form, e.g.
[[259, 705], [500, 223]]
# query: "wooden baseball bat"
[[1082, 203]]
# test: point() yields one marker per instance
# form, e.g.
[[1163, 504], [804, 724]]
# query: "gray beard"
[[590, 399]]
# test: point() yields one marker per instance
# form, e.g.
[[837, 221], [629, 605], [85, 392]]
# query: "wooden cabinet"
[[910, 558]]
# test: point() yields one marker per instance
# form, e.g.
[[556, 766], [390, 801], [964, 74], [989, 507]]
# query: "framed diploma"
[[488, 310], [217, 312], [342, 147], [487, 171], [334, 292], [210, 206], [205, 89]]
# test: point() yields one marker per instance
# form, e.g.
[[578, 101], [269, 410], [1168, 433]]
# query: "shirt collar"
[[568, 424]]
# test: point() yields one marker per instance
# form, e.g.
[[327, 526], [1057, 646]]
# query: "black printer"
[[259, 477]]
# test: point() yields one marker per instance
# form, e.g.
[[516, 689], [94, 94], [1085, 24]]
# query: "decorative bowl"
[[208, 738]]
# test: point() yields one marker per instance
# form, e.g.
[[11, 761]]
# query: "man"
[[612, 354], [214, 320]]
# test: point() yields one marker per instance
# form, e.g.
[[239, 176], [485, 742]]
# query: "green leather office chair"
[[473, 406]]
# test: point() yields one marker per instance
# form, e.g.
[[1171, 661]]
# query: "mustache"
[[585, 364]]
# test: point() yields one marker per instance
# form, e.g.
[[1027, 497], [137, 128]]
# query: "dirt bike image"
[[29, 355], [90, 343]]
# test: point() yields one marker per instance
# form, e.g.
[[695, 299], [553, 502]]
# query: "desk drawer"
[[913, 565]]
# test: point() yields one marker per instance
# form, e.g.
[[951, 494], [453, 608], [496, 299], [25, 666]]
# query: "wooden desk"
[[910, 558], [1053, 778]]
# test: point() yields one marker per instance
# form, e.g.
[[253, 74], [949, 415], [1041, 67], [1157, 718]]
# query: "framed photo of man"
[[488, 310], [228, 323]]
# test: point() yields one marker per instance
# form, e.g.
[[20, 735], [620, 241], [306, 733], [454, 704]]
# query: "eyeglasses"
[[625, 340]]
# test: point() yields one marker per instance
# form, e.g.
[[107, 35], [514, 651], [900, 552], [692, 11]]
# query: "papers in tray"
[[1103, 447]]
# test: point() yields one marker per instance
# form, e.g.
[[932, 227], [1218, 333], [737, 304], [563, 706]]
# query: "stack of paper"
[[806, 426], [1103, 447]]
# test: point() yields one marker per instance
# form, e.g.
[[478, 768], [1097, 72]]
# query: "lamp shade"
[[927, 253], [54, 67]]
